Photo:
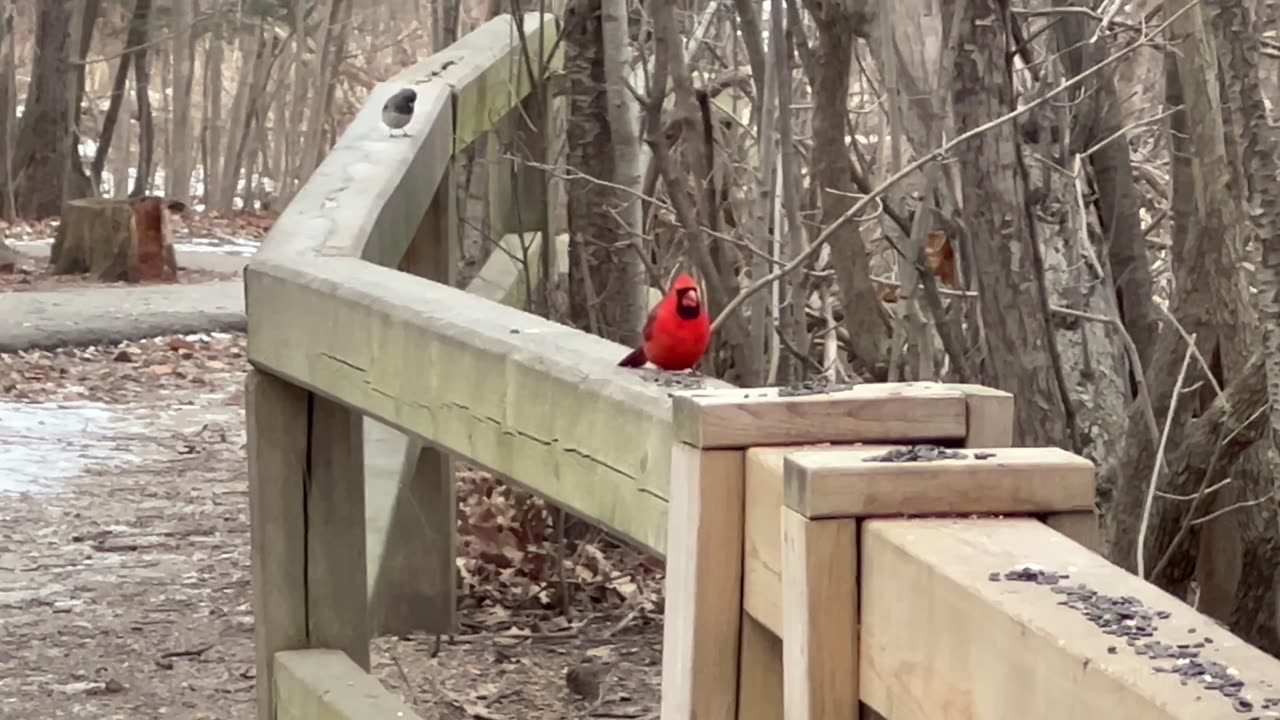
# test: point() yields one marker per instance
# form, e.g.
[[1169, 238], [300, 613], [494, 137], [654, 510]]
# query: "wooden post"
[[414, 587], [306, 506], [277, 416], [760, 663], [704, 585], [819, 617], [991, 426], [337, 610]]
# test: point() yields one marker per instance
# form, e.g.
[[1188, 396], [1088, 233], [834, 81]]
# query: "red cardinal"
[[677, 331]]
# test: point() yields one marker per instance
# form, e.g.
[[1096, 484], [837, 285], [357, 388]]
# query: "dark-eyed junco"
[[398, 110]]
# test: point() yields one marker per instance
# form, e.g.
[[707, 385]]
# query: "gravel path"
[[87, 316]]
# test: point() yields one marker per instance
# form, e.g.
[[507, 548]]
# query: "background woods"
[[1074, 201]]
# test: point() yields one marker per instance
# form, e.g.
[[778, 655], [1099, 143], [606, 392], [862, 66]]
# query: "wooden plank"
[[760, 674], [412, 530], [503, 279], [989, 417], [874, 412], [532, 400], [762, 529], [704, 586], [277, 417], [819, 618], [326, 685], [1082, 526], [366, 197], [337, 609], [488, 73], [939, 639], [414, 587], [1012, 480]]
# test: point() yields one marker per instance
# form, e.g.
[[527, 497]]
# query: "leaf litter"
[[124, 563]]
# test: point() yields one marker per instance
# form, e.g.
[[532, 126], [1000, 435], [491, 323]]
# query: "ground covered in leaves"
[[124, 562]]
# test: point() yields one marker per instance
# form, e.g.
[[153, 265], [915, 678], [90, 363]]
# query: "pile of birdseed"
[[923, 453], [1127, 617]]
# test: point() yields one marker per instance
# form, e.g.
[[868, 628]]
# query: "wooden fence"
[[804, 579]]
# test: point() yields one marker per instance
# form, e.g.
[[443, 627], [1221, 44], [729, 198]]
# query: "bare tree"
[[45, 148]]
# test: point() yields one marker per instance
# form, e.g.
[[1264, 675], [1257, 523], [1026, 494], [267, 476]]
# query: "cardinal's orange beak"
[[689, 298]]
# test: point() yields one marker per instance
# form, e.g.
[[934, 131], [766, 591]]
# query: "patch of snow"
[[44, 445]]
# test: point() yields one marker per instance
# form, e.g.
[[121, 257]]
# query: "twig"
[[1155, 469], [1233, 506], [1204, 365], [1216, 487], [404, 677], [856, 210], [193, 652]]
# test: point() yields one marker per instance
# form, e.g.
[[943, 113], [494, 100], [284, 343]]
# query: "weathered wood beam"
[[366, 199], [306, 510], [536, 402], [874, 412], [326, 685], [1008, 480], [940, 638]]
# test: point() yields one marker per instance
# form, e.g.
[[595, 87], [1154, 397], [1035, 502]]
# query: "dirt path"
[[83, 316], [124, 561]]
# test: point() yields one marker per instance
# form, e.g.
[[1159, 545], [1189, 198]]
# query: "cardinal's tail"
[[636, 358]]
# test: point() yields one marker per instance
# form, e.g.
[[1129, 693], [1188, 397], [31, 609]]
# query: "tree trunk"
[[116, 240], [142, 86], [252, 53], [213, 120], [8, 117], [630, 278], [45, 149], [865, 318], [592, 300], [1018, 355], [1209, 301], [1117, 198], [178, 172]]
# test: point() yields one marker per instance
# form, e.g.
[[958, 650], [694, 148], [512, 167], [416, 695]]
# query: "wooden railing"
[[795, 587]]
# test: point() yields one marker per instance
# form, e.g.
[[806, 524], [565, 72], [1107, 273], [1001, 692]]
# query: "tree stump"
[[117, 240]]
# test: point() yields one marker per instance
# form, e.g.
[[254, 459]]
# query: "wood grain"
[[939, 639], [760, 670], [1082, 526], [874, 412], [819, 618], [762, 530], [989, 416], [326, 685], [337, 607], [277, 418], [1012, 480], [703, 586]]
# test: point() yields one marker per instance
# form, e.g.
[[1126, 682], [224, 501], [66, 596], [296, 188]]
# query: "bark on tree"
[[1098, 119], [596, 290], [213, 120], [632, 294], [134, 53], [178, 172], [142, 86], [839, 24], [116, 240], [45, 147], [1018, 355], [1210, 301]]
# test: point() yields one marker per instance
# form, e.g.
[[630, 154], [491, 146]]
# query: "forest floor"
[[124, 560]]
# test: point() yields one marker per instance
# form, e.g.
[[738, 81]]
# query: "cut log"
[[117, 240]]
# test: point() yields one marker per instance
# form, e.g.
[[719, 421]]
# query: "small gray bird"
[[398, 111]]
